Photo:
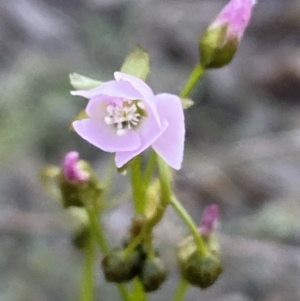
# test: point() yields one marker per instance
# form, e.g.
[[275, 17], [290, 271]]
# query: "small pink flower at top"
[[71, 169], [125, 117], [209, 219], [236, 15]]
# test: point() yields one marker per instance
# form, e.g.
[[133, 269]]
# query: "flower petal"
[[137, 83], [236, 14], [170, 144], [121, 89], [103, 136], [148, 134], [142, 87], [97, 106]]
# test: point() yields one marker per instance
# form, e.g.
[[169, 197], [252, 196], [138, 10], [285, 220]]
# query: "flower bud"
[[207, 228], [153, 274], [119, 266], [220, 41], [81, 237], [77, 182], [209, 219], [198, 269], [72, 180], [79, 221], [72, 171], [202, 271]]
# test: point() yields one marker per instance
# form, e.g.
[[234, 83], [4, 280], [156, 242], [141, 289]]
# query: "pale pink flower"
[[236, 15], [125, 117], [209, 219], [71, 170]]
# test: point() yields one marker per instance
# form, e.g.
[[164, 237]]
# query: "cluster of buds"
[[122, 264], [201, 269]]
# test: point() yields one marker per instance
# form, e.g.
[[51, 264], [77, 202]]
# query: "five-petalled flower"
[[125, 117]]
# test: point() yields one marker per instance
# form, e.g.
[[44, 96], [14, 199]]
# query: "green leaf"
[[137, 63], [80, 82], [186, 103]]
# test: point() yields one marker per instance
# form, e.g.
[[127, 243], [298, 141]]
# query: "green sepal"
[[201, 271], [118, 266], [216, 48], [137, 63], [80, 82], [153, 274], [81, 238], [186, 103], [197, 269], [81, 193]]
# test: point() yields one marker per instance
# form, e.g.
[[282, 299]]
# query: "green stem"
[[181, 290], [165, 181], [97, 231], [196, 74], [166, 192], [137, 185], [98, 234], [137, 240], [87, 292], [110, 173], [149, 169], [138, 293], [123, 292], [190, 223]]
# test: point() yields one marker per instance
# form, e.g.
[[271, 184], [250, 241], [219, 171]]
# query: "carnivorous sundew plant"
[[146, 133]]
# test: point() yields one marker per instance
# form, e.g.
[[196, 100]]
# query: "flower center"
[[125, 116]]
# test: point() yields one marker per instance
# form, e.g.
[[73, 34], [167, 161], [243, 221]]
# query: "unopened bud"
[[202, 271], [198, 269], [119, 266], [78, 183], [81, 238], [153, 274], [79, 222], [220, 41], [209, 219], [72, 170]]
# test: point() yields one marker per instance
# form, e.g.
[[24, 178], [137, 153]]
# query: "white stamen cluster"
[[125, 115]]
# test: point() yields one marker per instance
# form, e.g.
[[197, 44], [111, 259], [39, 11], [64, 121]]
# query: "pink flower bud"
[[209, 219], [71, 169], [236, 15], [220, 41]]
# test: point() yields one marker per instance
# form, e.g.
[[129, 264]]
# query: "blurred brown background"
[[242, 144]]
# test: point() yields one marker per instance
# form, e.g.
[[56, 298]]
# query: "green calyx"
[[71, 194], [200, 270], [80, 193], [216, 48], [81, 238], [118, 266], [153, 274]]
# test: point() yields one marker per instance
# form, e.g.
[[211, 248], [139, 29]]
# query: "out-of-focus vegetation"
[[242, 144]]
